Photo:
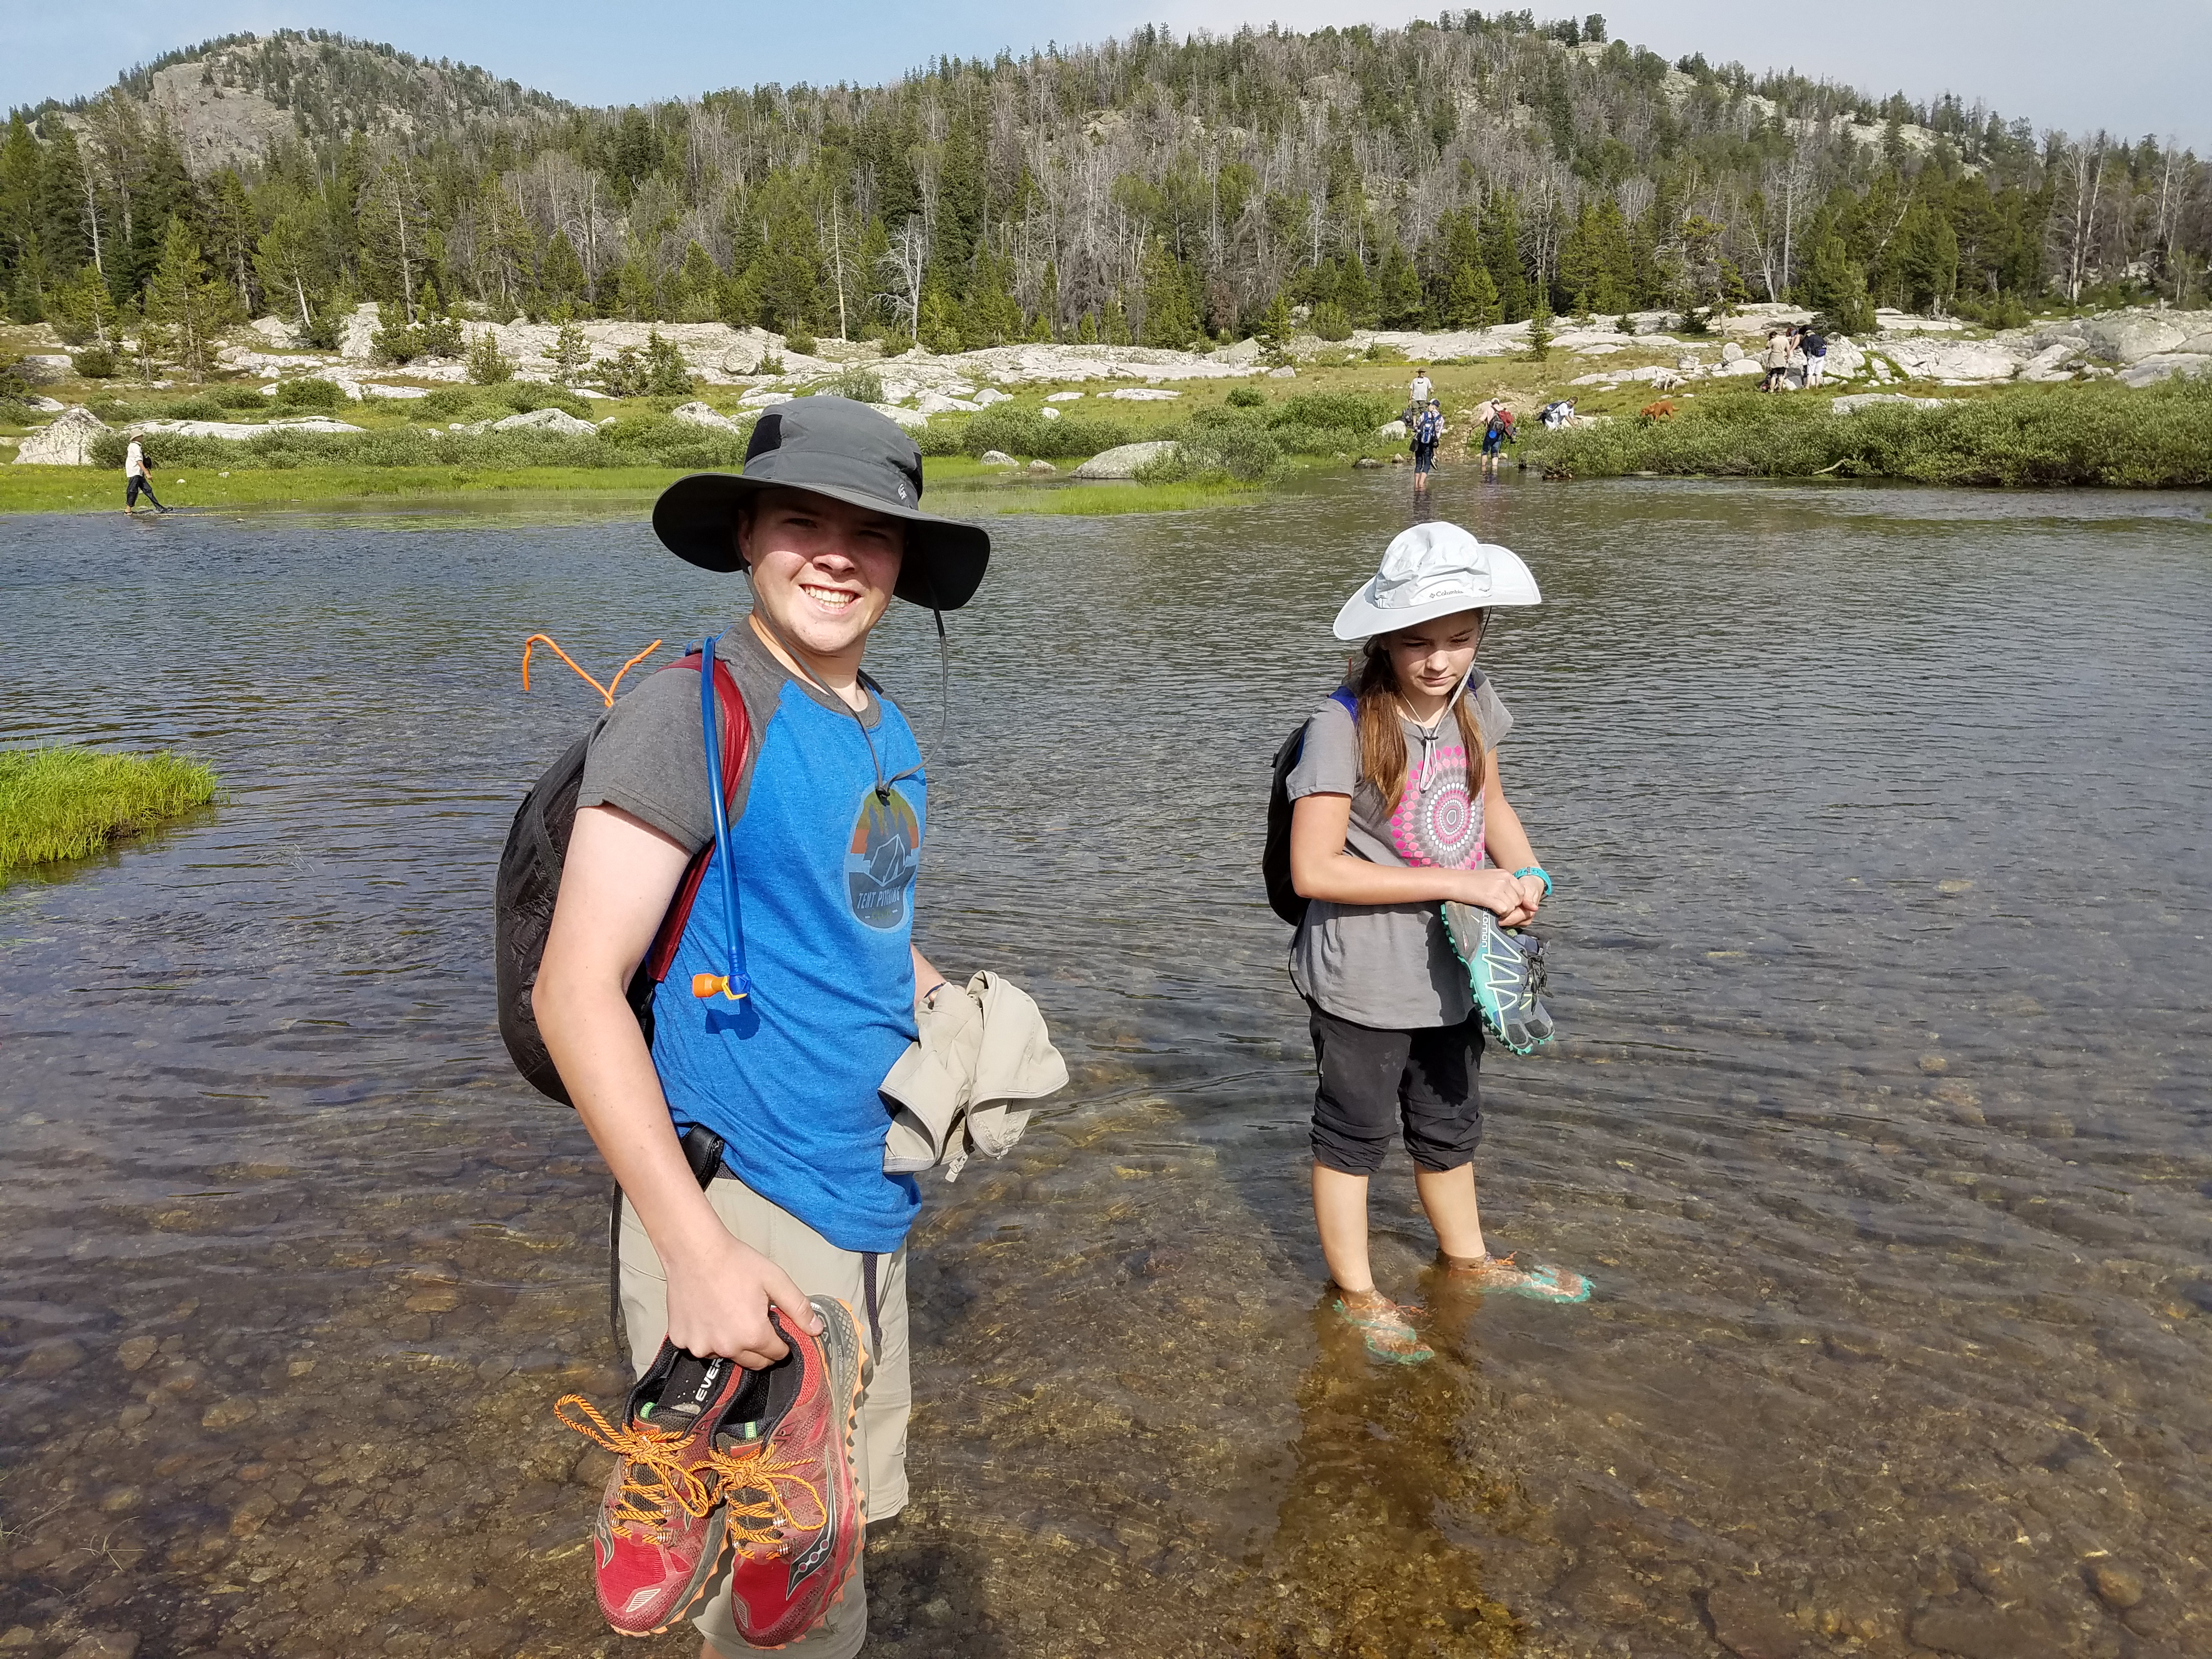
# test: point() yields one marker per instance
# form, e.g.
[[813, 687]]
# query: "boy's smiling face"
[[822, 571]]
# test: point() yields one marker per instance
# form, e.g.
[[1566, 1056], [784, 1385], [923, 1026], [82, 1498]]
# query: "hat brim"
[[697, 519]]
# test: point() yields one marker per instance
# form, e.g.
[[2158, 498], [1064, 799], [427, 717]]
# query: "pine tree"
[[1169, 319], [697, 295], [1501, 254], [572, 354], [561, 284], [1835, 285], [20, 172], [1540, 328], [1400, 301], [1472, 300], [184, 305], [233, 229]]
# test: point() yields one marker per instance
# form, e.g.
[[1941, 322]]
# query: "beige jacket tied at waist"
[[979, 1048]]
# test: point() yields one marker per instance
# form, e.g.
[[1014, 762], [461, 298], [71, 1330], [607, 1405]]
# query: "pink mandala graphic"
[[1442, 828]]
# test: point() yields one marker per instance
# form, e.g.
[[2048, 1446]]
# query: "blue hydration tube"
[[735, 983]]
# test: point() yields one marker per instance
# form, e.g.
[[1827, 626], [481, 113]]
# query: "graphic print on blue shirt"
[[825, 871], [880, 863]]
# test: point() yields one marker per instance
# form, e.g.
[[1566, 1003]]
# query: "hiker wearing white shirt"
[[136, 481]]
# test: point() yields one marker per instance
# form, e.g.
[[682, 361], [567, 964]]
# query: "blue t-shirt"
[[826, 873]]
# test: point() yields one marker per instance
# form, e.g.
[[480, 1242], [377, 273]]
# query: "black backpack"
[[530, 881], [1283, 898]]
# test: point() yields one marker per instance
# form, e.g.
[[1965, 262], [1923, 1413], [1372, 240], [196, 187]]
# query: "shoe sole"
[[840, 1334]]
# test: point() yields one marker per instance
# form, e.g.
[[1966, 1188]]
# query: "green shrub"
[[440, 336], [1379, 351], [238, 397], [194, 409], [1330, 321], [525, 397], [487, 364], [2102, 433], [1025, 432], [1352, 411], [310, 393], [897, 343], [1246, 396], [664, 373], [1233, 451], [862, 386], [800, 342], [95, 362]]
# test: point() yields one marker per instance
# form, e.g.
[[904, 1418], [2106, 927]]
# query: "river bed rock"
[[66, 441]]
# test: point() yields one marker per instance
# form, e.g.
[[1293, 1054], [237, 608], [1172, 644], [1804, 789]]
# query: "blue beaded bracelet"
[[1539, 873]]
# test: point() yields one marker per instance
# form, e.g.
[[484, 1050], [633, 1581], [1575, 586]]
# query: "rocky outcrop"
[[996, 457], [1143, 394], [1956, 363], [558, 422], [1857, 401], [236, 431], [67, 440], [2165, 365], [700, 414], [1123, 460]]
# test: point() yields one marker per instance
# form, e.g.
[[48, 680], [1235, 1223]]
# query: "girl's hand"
[[1532, 893], [1494, 890]]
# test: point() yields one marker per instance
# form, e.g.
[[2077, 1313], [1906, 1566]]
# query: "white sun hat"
[[1432, 570]]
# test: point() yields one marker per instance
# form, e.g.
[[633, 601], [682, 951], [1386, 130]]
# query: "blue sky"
[[2142, 71]]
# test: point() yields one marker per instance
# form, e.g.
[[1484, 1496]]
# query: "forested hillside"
[[1155, 189]]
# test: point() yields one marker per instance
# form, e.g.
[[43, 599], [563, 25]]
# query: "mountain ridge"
[[1154, 189]]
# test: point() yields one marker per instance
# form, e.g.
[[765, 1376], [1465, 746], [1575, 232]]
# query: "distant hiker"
[[1815, 345], [1428, 433], [1777, 360], [1421, 391], [1497, 433], [759, 1224], [1396, 807], [136, 482], [1556, 413]]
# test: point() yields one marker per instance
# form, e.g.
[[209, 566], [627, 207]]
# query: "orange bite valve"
[[708, 985]]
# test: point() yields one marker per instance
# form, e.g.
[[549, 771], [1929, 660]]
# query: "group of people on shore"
[[1798, 350], [1424, 421], [742, 1108]]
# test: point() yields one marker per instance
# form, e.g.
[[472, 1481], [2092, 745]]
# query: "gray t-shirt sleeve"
[[1328, 761], [648, 758], [1491, 715]]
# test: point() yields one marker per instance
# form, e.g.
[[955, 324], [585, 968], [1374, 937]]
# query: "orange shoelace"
[[643, 1449], [754, 1524]]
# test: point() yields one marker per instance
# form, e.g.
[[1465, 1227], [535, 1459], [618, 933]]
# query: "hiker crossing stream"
[[1877, 1113]]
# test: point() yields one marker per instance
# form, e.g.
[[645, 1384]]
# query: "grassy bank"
[[2105, 435], [66, 803]]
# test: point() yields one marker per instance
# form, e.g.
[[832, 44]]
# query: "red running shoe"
[[785, 1457], [660, 1533]]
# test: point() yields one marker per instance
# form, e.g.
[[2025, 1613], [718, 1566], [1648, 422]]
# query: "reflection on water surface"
[[1880, 1118]]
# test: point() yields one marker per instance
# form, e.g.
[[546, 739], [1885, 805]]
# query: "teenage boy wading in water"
[[801, 1227], [1398, 807]]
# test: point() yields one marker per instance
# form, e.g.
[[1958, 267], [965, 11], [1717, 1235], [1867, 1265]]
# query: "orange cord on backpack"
[[607, 692]]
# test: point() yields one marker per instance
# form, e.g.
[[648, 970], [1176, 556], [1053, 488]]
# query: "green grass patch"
[[66, 803], [1106, 500], [2102, 433], [88, 489]]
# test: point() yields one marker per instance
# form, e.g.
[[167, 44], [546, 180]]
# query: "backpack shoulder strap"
[[737, 755], [1343, 699]]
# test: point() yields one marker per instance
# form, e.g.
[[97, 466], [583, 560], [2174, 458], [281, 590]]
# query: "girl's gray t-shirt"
[[1391, 966]]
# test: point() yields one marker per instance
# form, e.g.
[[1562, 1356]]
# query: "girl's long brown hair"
[[1382, 739]]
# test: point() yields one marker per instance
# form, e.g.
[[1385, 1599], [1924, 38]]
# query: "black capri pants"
[[1372, 1080]]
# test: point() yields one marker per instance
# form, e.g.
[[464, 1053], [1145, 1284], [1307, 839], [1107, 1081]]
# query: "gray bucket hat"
[[850, 452]]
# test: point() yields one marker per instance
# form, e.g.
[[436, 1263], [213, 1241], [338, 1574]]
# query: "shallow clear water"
[[1880, 1118]]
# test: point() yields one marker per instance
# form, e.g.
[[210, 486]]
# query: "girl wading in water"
[[1398, 807]]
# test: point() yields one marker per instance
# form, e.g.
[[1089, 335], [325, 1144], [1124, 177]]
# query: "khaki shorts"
[[880, 1444]]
